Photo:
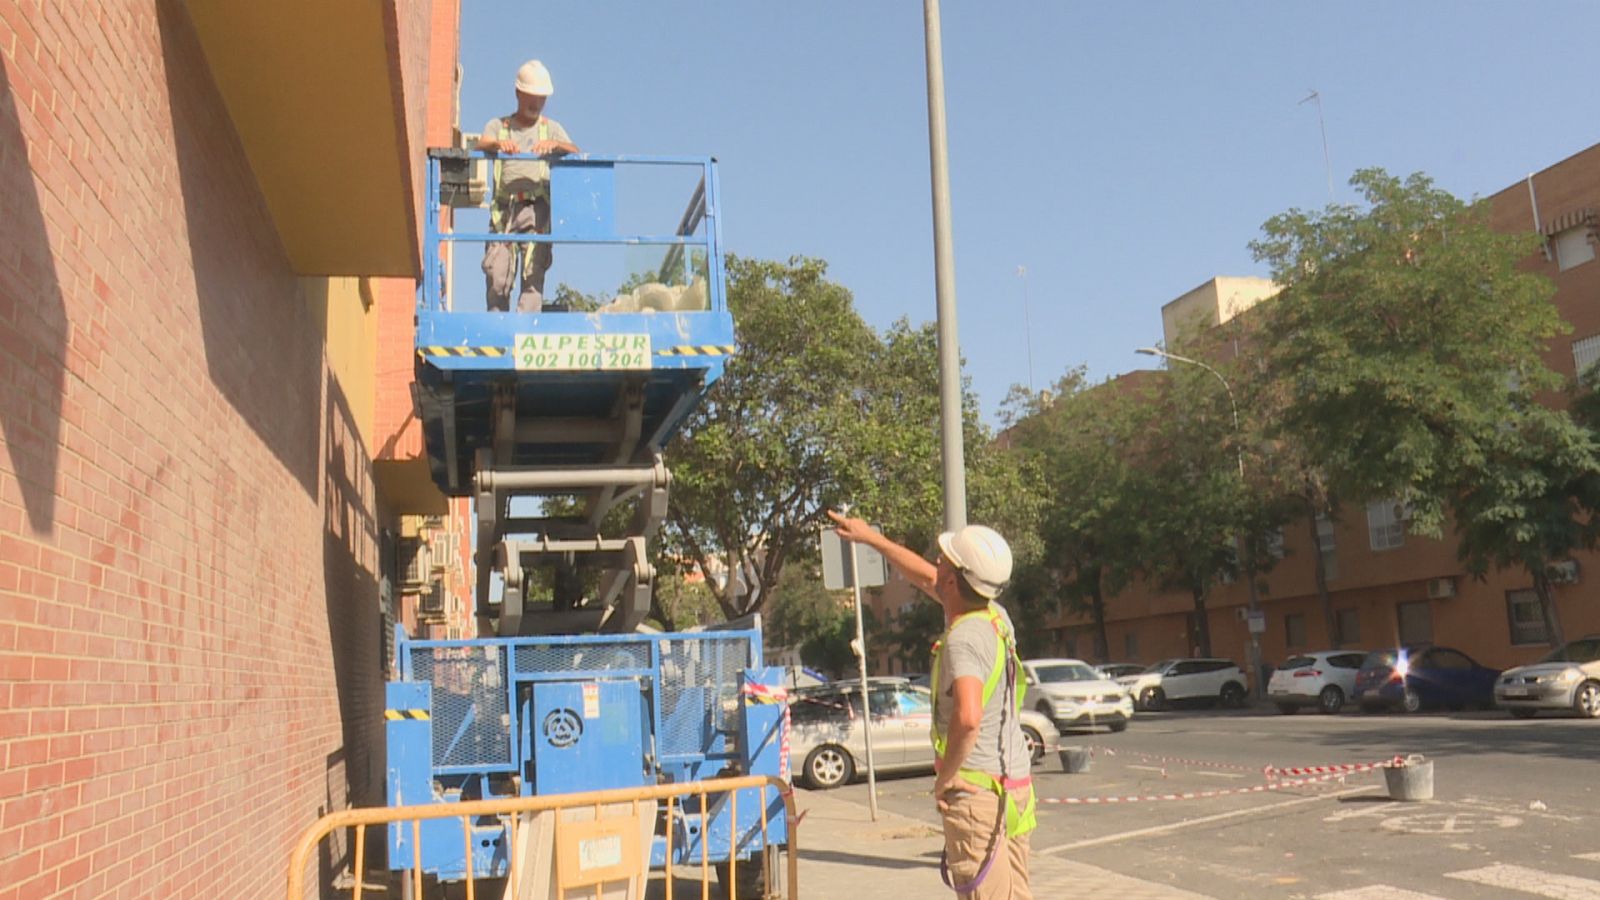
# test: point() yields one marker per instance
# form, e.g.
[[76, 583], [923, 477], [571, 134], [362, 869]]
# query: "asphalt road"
[[1514, 814]]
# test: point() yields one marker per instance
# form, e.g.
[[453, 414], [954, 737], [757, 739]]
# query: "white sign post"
[[859, 568], [866, 698]]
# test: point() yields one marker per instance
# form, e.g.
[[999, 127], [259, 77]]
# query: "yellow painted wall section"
[[311, 88], [350, 336]]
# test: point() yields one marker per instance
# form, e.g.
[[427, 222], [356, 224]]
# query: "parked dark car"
[[1417, 676]]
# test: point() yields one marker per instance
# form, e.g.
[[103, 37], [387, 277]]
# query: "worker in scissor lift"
[[521, 202]]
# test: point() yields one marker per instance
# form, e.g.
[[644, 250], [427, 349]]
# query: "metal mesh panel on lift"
[[469, 704], [699, 685], [600, 655]]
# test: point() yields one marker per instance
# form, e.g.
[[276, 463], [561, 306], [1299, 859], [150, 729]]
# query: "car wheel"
[[1586, 702], [1288, 709], [1153, 698], [1233, 694], [1331, 700], [1035, 744], [1118, 725], [1523, 712], [829, 766], [1410, 701]]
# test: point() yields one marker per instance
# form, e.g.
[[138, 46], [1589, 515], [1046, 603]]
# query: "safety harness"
[[1013, 820]]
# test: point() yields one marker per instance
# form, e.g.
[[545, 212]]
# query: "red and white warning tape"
[[1253, 789], [779, 695], [1316, 773]]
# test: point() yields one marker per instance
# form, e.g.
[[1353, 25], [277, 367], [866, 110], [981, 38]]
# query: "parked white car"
[[1219, 680], [1072, 694], [1325, 679], [1567, 678]]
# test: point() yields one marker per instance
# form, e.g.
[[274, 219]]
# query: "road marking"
[[1377, 892], [1448, 823], [1219, 774], [1142, 769], [1219, 817], [1520, 810], [1361, 809], [1531, 881], [1591, 857]]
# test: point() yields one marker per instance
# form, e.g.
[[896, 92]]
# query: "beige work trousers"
[[500, 260], [968, 827]]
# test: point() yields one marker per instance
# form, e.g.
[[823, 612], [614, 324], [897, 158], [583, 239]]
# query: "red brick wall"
[[189, 664]]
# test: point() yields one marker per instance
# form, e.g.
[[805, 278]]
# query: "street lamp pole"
[[944, 262], [1257, 688]]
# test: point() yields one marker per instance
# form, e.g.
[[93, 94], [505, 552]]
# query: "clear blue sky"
[[1122, 152]]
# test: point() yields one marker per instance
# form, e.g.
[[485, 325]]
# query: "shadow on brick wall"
[[349, 561], [263, 349], [33, 322]]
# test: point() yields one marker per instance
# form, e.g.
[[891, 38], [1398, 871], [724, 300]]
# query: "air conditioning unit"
[[414, 563], [1441, 588], [1564, 572]]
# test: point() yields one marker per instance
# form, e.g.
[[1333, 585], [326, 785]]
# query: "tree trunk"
[[1547, 604], [1097, 600], [1202, 623], [1320, 569]]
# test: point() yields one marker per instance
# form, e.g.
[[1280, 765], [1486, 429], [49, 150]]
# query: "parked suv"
[[1566, 678], [1219, 680], [1324, 680], [1072, 694]]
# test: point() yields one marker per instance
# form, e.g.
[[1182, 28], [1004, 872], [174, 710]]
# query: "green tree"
[[815, 411], [1078, 435], [1407, 345], [1400, 323]]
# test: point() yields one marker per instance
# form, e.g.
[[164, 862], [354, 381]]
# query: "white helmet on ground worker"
[[534, 78], [982, 557]]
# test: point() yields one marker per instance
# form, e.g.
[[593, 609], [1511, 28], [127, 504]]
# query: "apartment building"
[[1388, 585]]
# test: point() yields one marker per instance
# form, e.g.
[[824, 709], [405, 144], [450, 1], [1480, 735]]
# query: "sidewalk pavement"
[[843, 854]]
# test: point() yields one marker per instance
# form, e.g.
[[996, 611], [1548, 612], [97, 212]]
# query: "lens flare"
[[1402, 665]]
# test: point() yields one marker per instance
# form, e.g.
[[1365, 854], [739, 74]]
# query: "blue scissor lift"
[[568, 404], [554, 422]]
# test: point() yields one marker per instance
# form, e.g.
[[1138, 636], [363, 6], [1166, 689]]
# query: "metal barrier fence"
[[361, 819]]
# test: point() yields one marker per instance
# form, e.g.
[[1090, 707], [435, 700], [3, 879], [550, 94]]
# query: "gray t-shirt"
[[529, 175], [969, 650]]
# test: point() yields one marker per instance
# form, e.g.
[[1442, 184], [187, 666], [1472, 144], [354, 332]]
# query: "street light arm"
[[1232, 403]]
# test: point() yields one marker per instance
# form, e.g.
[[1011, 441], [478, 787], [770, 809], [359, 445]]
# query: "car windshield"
[[1299, 662], [1064, 672], [1158, 667], [1380, 659], [1585, 651]]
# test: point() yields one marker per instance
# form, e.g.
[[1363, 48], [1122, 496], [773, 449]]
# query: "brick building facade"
[[204, 208]]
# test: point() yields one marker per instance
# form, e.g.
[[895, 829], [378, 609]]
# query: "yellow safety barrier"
[[361, 819]]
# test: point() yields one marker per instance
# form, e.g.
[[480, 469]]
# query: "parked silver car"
[[1073, 695], [828, 747], [1566, 678]]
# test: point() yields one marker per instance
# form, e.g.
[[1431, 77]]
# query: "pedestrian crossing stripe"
[[439, 350], [395, 715], [698, 350]]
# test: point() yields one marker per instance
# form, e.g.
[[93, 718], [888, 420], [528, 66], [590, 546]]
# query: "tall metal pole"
[[944, 264], [866, 698]]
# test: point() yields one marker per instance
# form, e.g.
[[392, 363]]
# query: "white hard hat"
[[534, 78], [981, 555]]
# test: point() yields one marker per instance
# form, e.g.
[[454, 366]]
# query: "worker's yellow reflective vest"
[[1019, 819], [497, 208]]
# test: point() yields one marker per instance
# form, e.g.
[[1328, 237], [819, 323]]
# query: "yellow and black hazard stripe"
[[395, 715], [438, 350], [699, 350]]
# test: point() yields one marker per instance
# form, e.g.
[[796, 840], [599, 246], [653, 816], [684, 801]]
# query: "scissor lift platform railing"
[[507, 400]]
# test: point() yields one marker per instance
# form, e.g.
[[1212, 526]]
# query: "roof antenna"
[[1327, 162]]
